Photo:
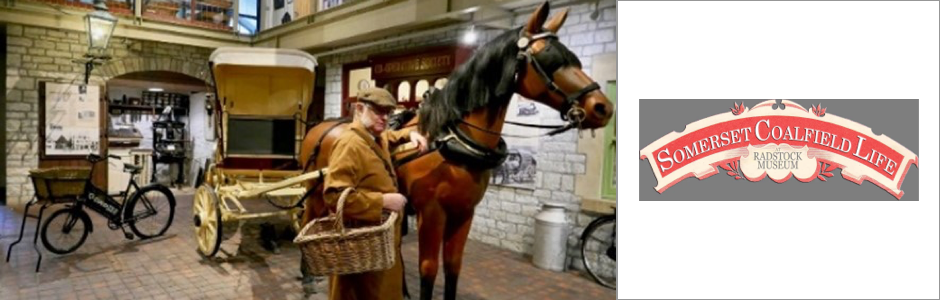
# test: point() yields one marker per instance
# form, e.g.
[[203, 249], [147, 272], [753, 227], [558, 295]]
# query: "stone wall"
[[36, 54], [505, 217]]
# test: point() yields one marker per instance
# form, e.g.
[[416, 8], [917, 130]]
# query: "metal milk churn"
[[551, 237]]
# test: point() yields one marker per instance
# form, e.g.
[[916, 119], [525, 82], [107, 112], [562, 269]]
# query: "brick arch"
[[118, 67]]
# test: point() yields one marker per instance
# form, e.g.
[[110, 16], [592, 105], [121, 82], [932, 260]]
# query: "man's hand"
[[420, 140], [393, 201]]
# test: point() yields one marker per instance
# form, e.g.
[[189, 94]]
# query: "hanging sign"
[[795, 142]]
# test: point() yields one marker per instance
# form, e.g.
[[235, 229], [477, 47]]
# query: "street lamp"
[[100, 25]]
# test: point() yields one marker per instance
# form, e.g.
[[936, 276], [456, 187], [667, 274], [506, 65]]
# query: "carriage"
[[259, 113]]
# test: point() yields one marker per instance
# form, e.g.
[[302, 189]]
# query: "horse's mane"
[[485, 80]]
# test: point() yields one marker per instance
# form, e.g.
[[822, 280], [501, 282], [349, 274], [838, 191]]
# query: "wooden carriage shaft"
[[280, 184], [232, 216]]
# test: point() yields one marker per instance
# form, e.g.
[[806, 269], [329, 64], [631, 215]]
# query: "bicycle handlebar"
[[93, 158]]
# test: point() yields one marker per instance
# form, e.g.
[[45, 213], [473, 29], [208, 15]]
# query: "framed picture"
[[70, 120], [520, 169]]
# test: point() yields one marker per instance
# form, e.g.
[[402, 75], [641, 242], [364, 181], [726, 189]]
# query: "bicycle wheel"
[[150, 211], [65, 230], [598, 250]]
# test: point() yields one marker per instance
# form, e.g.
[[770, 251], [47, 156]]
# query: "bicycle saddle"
[[132, 168]]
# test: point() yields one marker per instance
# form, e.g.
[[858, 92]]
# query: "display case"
[[169, 145]]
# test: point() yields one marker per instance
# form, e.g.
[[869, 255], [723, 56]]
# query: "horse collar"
[[458, 147]]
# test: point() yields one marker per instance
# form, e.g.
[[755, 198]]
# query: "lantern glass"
[[100, 25]]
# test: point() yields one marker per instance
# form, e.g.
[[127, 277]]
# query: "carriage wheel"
[[207, 218]]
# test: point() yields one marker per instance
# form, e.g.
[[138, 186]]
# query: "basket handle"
[[339, 211]]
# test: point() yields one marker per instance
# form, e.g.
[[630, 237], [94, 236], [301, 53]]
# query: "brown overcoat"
[[354, 163]]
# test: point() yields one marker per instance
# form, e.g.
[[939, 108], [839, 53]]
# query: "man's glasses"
[[381, 111]]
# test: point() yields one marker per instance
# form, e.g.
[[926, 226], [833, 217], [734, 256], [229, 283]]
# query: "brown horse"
[[444, 186]]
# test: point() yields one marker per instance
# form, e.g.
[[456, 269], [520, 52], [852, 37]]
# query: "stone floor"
[[108, 266]]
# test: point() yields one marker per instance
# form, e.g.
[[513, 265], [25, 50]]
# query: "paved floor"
[[109, 267]]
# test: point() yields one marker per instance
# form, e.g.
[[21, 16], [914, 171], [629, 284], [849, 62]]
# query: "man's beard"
[[369, 124]]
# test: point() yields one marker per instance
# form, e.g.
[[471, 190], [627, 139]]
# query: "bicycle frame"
[[114, 211]]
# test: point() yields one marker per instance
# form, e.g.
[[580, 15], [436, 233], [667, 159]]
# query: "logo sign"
[[760, 142]]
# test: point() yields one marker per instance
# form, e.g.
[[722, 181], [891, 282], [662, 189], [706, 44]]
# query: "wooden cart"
[[262, 96]]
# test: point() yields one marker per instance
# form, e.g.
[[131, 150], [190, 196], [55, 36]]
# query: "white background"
[[778, 50]]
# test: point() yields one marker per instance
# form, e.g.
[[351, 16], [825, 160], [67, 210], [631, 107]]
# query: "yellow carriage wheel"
[[207, 218]]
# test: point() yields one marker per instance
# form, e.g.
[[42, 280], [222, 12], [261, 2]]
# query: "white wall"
[[201, 136]]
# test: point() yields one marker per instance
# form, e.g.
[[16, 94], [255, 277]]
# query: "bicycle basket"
[[332, 249], [59, 182]]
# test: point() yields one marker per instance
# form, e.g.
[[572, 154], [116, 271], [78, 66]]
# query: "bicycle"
[[67, 229], [599, 250]]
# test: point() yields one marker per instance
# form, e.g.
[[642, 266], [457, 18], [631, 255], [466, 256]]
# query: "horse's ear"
[[555, 23], [537, 19]]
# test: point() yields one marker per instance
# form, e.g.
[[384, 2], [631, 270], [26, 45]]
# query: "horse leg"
[[430, 234], [455, 240]]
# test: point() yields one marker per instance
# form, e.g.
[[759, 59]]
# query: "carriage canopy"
[[263, 95]]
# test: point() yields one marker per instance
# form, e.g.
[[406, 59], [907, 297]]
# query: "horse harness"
[[459, 147]]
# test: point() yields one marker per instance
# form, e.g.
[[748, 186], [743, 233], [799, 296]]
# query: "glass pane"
[[247, 25], [420, 88], [440, 83], [248, 7], [404, 91], [327, 4]]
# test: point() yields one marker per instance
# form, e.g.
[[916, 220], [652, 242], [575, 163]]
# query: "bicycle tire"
[[161, 198], [70, 215], [593, 259]]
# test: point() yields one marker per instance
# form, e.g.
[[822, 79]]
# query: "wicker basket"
[[59, 183], [332, 249]]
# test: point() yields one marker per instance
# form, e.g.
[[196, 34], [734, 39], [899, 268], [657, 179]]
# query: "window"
[[327, 4], [404, 91], [420, 88], [440, 83], [609, 183], [248, 17]]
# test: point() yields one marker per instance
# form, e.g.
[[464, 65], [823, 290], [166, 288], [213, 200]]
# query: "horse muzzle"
[[597, 111]]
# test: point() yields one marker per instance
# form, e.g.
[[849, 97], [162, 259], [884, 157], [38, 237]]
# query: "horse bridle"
[[548, 57], [546, 62]]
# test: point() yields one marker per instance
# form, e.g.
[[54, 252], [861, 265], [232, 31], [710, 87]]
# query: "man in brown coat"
[[361, 160]]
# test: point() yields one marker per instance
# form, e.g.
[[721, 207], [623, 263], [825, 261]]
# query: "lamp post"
[[100, 25]]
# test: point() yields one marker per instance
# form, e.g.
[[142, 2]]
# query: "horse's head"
[[552, 75]]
